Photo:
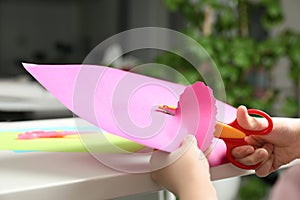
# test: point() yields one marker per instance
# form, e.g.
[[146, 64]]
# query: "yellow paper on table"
[[70, 143]]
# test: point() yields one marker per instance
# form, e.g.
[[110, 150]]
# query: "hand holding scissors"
[[233, 135]]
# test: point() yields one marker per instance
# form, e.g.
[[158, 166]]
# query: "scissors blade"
[[225, 131]]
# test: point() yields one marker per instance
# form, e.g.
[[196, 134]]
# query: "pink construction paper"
[[125, 103]]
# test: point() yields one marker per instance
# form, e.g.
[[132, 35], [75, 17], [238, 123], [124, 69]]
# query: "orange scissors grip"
[[234, 135]]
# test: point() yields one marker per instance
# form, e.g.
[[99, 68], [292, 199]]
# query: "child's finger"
[[242, 151], [265, 169], [248, 122], [258, 156]]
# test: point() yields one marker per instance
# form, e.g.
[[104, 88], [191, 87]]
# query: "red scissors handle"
[[232, 142]]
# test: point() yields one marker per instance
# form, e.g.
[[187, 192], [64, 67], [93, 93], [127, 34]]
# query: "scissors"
[[233, 135]]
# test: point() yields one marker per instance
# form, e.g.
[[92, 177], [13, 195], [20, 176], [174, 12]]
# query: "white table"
[[23, 96], [75, 176]]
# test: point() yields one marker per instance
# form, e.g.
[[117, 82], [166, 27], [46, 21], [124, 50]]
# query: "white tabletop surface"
[[26, 96], [72, 175]]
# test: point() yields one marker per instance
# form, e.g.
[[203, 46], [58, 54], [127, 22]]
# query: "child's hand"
[[184, 172], [279, 147]]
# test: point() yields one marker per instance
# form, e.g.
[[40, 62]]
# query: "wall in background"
[[54, 31], [291, 12], [280, 72], [51, 31]]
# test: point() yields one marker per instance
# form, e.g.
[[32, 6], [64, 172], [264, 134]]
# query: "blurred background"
[[254, 43]]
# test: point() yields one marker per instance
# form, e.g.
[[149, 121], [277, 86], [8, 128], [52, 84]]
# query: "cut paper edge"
[[197, 106]]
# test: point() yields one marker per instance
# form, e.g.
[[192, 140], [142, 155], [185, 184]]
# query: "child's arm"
[[184, 172]]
